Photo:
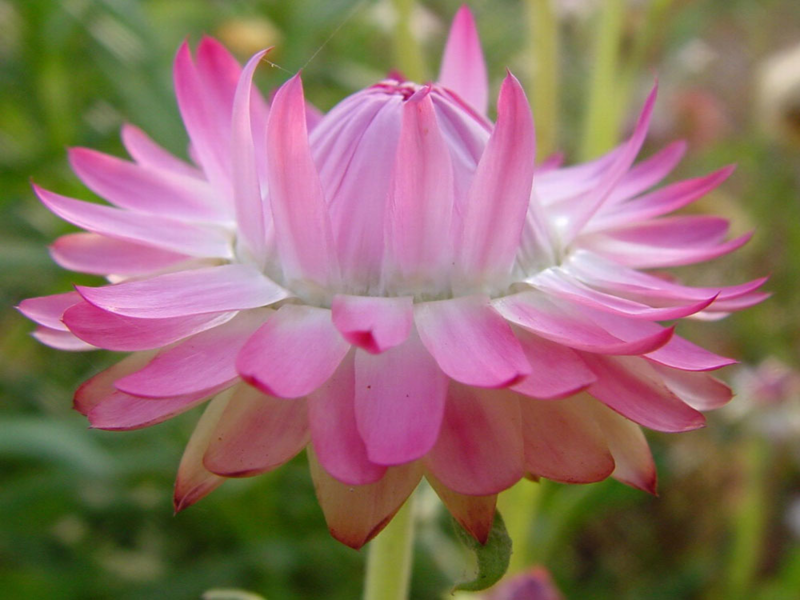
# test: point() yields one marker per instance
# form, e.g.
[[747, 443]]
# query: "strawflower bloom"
[[394, 286]]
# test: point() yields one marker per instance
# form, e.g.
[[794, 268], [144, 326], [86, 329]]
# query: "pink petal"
[[121, 412], [634, 463], [293, 353], [49, 310], [556, 371], [501, 188], [246, 186], [698, 390], [471, 342], [561, 284], [355, 515], [203, 362], [96, 389], [210, 139], [399, 402], [61, 340], [141, 189], [563, 443], [570, 326], [421, 197], [632, 388], [101, 255], [149, 154], [256, 433], [152, 230], [473, 513], [577, 212], [332, 421], [463, 68], [194, 481], [480, 450], [648, 173], [302, 224], [373, 323], [126, 334], [199, 291], [665, 200]]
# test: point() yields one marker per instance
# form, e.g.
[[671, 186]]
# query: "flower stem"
[[519, 507], [602, 113], [544, 81], [407, 52], [748, 520], [390, 556]]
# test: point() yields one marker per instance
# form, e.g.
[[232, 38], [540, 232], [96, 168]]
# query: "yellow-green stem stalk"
[[407, 52], [388, 575], [543, 84], [519, 507], [601, 128]]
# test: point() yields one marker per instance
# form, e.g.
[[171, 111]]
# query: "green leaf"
[[493, 557]]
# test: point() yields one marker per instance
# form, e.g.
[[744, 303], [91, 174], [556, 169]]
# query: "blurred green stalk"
[[602, 112], [543, 85], [407, 52], [390, 557], [519, 507], [748, 520]]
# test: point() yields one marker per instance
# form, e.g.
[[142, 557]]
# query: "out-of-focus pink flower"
[[395, 286], [770, 383], [533, 584]]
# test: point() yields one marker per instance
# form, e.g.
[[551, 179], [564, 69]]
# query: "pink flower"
[[395, 286]]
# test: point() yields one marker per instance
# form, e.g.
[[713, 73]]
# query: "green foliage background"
[[87, 514]]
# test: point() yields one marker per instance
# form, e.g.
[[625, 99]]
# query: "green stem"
[[519, 507], [543, 85], [390, 556], [407, 53], [748, 520], [602, 113]]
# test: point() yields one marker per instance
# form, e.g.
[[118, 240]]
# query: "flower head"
[[395, 286]]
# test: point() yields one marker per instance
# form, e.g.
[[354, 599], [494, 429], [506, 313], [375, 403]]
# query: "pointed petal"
[[332, 421], [199, 291], [480, 449], [194, 481], [463, 68], [570, 326], [302, 224], [471, 342], [698, 390], [632, 388], [61, 340], [101, 255], [203, 362], [634, 462], [49, 310], [374, 324], [293, 353], [473, 513], [149, 154], [246, 186], [648, 173], [563, 443], [256, 433], [399, 402], [421, 196], [127, 334], [357, 514], [157, 192], [500, 192], [95, 389], [556, 371], [152, 230], [121, 412]]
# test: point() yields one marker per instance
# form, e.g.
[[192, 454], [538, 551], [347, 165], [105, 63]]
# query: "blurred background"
[[88, 515]]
